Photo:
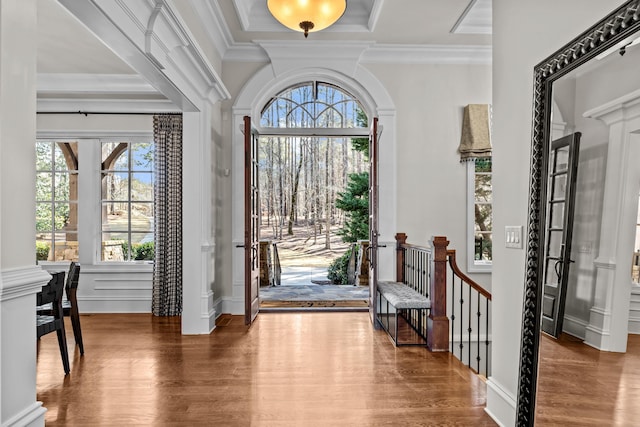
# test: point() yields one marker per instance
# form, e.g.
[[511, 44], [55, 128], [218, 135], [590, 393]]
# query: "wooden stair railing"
[[459, 319], [473, 305]]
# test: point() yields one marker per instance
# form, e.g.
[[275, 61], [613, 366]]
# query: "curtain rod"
[[86, 113]]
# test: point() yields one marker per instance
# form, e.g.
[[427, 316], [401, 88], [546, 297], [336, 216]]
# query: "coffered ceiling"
[[415, 22], [67, 50]]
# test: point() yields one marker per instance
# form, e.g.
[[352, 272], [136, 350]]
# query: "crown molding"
[[156, 42], [475, 19], [428, 54], [375, 14], [215, 25], [70, 83], [343, 56], [243, 10], [372, 54], [120, 106], [246, 52], [626, 107], [230, 51]]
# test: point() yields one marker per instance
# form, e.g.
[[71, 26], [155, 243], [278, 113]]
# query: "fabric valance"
[[475, 141]]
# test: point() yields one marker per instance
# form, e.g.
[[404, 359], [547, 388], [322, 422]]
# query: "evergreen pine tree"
[[355, 200], [355, 203]]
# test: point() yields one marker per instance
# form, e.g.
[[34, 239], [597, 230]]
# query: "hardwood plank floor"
[[581, 386], [288, 369]]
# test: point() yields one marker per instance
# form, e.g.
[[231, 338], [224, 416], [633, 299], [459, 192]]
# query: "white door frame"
[[376, 102]]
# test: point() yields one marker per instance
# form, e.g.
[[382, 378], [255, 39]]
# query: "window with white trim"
[[127, 201], [100, 209], [56, 201], [479, 215]]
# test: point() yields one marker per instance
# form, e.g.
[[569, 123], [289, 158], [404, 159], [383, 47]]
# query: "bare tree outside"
[[302, 175]]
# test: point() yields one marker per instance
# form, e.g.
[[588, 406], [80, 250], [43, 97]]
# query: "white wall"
[[524, 33], [431, 182], [234, 75]]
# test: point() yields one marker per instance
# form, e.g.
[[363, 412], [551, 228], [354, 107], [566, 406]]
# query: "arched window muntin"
[[313, 104]]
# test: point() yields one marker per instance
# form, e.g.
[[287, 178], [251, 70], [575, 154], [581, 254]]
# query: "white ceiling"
[[67, 49], [416, 22]]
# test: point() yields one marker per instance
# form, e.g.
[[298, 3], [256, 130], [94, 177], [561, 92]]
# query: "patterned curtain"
[[167, 269]]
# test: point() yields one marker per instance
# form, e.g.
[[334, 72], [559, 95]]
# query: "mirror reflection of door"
[[563, 168], [251, 224], [373, 218]]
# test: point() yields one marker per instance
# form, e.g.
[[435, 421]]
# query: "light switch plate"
[[513, 236]]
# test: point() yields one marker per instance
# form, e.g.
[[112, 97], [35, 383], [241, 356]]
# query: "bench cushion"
[[402, 296]]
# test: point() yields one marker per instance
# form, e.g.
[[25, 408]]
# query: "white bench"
[[397, 298]]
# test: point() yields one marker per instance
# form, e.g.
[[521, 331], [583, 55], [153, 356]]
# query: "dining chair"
[[70, 303], [52, 293]]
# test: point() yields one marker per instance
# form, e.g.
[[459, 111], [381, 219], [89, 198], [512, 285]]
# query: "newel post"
[[438, 322], [401, 239]]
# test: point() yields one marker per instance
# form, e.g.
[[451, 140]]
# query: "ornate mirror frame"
[[611, 30]]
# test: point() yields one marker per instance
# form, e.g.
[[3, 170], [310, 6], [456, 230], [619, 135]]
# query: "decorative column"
[[609, 315], [198, 314], [20, 278], [438, 322]]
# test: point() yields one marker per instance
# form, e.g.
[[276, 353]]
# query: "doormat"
[[313, 304]]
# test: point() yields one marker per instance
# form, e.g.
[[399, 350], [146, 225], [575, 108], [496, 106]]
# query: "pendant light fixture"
[[307, 15]]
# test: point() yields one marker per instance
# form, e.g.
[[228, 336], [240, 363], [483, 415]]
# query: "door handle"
[[558, 270]]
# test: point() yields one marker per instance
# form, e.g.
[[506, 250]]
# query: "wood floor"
[[581, 386], [288, 369]]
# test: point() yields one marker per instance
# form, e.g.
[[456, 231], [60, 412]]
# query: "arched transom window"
[[313, 105]]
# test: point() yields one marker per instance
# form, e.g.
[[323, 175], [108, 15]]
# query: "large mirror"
[[588, 101]]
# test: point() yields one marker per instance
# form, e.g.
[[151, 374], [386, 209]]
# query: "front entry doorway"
[[313, 170]]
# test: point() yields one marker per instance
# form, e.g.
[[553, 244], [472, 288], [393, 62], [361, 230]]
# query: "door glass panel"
[[557, 215], [559, 186], [562, 159], [551, 278], [555, 242]]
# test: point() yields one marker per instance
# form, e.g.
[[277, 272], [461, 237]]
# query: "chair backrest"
[[73, 277], [52, 292]]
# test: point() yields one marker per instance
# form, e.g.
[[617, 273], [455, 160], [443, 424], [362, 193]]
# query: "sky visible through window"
[[312, 105]]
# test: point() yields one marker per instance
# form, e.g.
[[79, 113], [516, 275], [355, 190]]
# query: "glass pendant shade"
[[307, 15]]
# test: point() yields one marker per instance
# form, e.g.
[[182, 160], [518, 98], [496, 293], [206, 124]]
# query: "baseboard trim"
[[114, 304], [233, 305], [31, 416], [634, 325], [574, 326], [218, 306], [501, 405]]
